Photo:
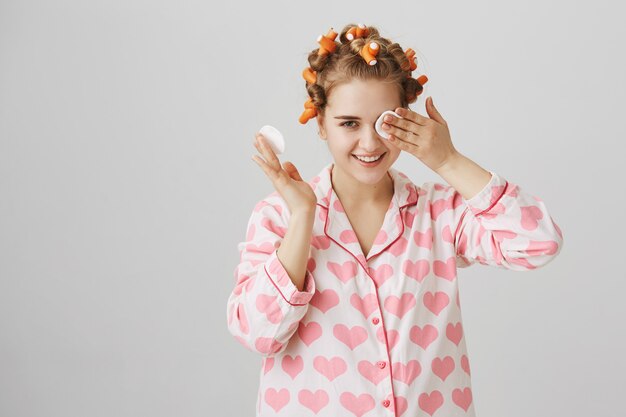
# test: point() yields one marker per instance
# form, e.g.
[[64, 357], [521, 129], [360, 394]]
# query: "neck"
[[352, 192]]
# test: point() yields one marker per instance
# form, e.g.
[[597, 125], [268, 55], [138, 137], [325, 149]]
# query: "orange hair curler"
[[327, 43], [327, 46], [410, 54], [421, 80], [309, 75], [369, 51], [310, 111], [360, 31]]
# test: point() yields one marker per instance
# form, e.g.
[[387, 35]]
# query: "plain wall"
[[126, 182]]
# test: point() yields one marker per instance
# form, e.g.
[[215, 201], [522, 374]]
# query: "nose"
[[370, 140]]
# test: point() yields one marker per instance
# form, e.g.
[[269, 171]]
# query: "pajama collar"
[[337, 225]]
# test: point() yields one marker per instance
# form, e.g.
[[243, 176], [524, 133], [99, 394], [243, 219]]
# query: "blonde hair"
[[346, 63]]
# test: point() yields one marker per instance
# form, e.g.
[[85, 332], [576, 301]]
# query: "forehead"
[[361, 98]]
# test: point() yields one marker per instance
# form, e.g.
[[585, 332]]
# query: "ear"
[[320, 124]]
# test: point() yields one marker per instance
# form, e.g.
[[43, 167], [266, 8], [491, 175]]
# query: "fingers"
[[405, 135], [413, 116], [271, 164], [407, 124], [292, 171], [269, 170], [271, 174], [267, 152]]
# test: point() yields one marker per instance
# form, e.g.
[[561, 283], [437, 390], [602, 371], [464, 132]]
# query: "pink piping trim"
[[456, 242], [506, 185], [393, 396], [281, 293]]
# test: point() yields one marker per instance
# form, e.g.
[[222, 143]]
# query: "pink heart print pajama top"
[[378, 334]]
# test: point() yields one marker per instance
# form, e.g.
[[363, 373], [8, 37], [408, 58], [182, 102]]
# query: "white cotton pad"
[[274, 138], [380, 121]]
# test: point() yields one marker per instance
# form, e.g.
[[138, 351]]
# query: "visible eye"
[[349, 121]]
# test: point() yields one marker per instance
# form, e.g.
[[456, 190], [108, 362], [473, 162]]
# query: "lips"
[[370, 164], [371, 156]]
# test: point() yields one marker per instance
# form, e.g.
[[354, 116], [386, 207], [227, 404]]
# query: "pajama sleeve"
[[503, 226], [265, 306]]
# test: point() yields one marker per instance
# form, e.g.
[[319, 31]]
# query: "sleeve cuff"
[[489, 196], [277, 273]]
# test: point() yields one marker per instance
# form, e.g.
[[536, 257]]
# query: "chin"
[[368, 175], [370, 180]]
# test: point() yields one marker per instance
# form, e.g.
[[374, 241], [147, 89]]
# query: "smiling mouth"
[[372, 161]]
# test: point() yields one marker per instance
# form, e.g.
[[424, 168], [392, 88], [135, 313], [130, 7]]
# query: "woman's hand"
[[297, 193], [428, 139]]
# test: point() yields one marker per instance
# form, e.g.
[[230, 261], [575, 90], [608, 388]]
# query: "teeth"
[[367, 158]]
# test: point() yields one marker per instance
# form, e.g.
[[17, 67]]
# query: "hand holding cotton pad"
[[274, 138], [379, 123]]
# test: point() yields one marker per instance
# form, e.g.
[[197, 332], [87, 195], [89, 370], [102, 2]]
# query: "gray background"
[[126, 183]]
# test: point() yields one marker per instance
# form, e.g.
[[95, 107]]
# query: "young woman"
[[347, 284]]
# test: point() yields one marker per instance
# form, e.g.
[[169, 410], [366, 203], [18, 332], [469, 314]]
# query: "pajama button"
[[375, 320], [381, 364], [386, 403]]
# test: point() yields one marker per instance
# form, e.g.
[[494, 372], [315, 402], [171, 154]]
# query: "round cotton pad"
[[379, 123], [274, 138]]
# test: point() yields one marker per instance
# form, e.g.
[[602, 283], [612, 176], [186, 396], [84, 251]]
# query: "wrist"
[[304, 213], [451, 163]]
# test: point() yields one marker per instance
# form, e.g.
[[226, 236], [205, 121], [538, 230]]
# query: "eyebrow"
[[348, 117]]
